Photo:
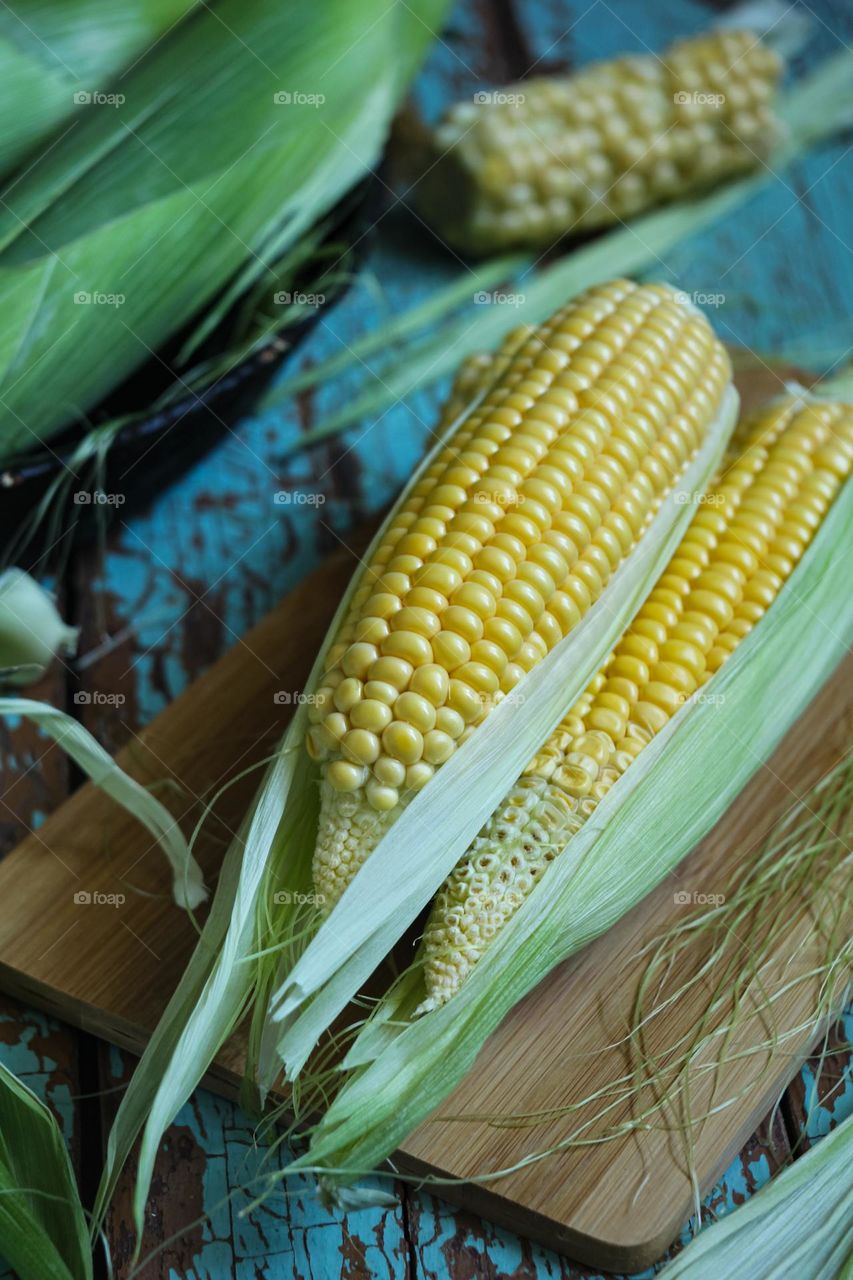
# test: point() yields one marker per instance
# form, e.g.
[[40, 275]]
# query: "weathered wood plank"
[[34, 774], [211, 1167], [42, 1053], [453, 1245], [822, 1094]]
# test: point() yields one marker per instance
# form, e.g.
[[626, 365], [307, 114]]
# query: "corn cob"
[[740, 547], [503, 545], [550, 156], [478, 371]]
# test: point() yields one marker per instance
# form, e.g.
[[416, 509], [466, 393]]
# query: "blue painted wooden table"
[[178, 581]]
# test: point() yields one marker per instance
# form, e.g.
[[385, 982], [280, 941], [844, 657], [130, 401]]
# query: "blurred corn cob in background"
[[504, 544], [746, 538], [549, 156]]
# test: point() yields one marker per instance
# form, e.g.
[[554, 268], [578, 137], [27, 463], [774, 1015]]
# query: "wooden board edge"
[[578, 1246], [88, 1018]]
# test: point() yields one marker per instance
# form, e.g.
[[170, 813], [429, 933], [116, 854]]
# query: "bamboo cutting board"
[[88, 932]]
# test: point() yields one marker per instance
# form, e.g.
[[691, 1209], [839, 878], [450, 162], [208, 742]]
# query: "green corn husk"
[[43, 1233], [800, 1224], [237, 961], [399, 1071], [186, 190], [51, 51]]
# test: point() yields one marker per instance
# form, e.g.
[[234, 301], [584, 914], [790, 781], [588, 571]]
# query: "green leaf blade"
[[42, 1227]]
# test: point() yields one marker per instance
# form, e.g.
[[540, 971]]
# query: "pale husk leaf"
[[32, 632], [799, 1224]]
